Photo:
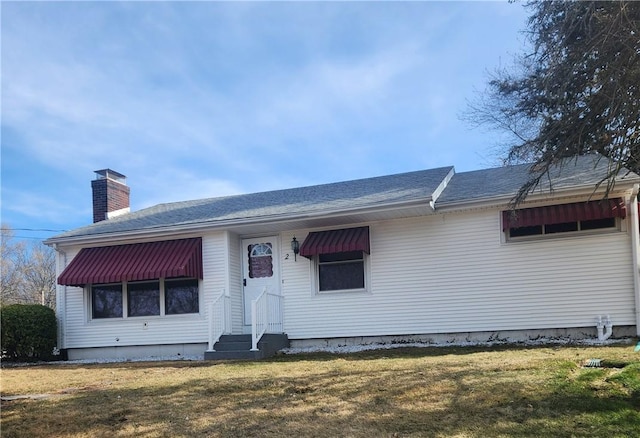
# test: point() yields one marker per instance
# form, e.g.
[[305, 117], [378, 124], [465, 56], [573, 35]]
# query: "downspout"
[[635, 248], [61, 301]]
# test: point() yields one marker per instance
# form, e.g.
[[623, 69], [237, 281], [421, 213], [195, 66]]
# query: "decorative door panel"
[[260, 266]]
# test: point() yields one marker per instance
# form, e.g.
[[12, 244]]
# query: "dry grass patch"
[[470, 392]]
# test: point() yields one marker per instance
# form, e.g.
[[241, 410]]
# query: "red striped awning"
[[558, 214], [333, 241], [139, 261]]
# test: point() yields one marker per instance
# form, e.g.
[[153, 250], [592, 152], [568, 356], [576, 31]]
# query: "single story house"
[[431, 255]]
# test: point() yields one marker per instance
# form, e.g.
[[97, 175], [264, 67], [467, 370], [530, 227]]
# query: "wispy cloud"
[[175, 185], [45, 208], [214, 98]]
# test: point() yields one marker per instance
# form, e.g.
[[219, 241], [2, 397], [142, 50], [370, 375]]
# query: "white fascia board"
[[192, 229]]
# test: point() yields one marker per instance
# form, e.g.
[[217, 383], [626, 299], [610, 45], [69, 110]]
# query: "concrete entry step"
[[239, 346]]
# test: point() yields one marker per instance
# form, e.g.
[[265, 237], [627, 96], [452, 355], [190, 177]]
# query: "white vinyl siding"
[[62, 296], [451, 273], [438, 274]]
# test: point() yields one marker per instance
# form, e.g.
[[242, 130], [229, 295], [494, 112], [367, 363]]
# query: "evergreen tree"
[[576, 92]]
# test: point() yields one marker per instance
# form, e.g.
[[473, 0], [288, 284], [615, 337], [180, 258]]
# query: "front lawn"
[[439, 392]]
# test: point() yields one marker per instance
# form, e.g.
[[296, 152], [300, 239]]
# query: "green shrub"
[[28, 332]]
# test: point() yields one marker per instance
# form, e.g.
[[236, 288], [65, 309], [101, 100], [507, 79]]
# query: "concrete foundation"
[[544, 336], [137, 351]]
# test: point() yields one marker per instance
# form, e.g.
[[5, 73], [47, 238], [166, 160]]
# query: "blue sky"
[[204, 99]]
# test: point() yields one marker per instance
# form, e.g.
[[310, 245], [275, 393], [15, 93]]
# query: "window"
[[143, 299], [341, 271], [564, 227], [260, 260], [564, 218], [107, 301], [181, 296], [147, 298], [340, 259]]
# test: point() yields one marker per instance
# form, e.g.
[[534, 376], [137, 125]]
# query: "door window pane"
[[143, 299], [106, 301], [181, 296], [260, 260], [260, 249]]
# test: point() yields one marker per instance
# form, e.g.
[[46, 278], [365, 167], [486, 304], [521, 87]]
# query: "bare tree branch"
[[28, 271]]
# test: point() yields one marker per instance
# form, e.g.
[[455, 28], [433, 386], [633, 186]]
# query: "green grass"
[[436, 392]]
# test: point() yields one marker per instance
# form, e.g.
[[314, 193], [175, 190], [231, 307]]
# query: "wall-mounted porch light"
[[295, 247]]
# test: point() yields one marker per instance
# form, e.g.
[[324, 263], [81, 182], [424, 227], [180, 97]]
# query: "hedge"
[[28, 332]]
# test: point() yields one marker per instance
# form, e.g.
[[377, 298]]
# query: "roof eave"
[[192, 228]]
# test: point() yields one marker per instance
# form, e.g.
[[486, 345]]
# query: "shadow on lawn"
[[390, 353], [402, 352], [360, 403]]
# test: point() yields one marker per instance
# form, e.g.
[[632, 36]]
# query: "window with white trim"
[[340, 259], [565, 219], [181, 296], [341, 271], [144, 298], [106, 301]]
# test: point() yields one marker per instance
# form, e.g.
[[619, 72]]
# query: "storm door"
[[260, 266]]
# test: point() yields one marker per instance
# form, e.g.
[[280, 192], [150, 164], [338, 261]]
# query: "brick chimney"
[[110, 195]]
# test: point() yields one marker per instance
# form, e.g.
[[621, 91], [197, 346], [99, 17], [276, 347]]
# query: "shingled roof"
[[342, 197], [504, 182], [265, 206]]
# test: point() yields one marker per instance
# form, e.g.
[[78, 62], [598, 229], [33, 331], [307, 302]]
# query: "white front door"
[[260, 270]]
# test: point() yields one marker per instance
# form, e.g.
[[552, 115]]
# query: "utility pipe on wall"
[[61, 298]]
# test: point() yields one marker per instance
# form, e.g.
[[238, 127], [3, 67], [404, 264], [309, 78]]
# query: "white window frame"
[[315, 278], [89, 294]]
